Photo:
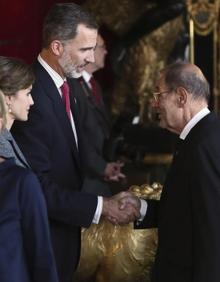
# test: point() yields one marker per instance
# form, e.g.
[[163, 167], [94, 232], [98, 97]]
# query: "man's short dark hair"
[[188, 76], [62, 21]]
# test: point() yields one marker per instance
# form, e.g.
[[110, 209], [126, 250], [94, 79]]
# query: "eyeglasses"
[[156, 95]]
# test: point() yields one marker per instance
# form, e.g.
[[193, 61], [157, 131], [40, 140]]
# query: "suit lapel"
[[102, 108], [99, 108], [75, 111], [59, 109]]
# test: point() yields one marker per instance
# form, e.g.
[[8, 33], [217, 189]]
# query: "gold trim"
[[158, 158], [204, 15], [191, 46], [203, 19]]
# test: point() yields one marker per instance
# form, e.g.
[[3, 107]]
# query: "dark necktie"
[[66, 97], [95, 93]]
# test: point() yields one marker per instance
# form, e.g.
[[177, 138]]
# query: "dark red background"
[[20, 26]]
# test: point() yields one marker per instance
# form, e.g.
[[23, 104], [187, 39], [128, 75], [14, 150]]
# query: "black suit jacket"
[[48, 143], [96, 125], [25, 247], [188, 213]]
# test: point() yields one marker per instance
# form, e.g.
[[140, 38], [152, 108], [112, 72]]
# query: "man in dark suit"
[[96, 127], [187, 215], [51, 139]]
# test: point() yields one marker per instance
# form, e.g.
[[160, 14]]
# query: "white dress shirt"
[[87, 76]]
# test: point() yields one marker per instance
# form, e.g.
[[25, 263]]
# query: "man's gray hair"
[[62, 21], [188, 76]]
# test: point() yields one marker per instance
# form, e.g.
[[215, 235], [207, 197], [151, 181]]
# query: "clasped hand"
[[113, 172], [121, 208]]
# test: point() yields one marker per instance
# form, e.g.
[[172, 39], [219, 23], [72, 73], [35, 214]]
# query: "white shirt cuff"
[[98, 211], [143, 209]]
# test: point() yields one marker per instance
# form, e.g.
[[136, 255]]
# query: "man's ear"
[[182, 96], [56, 47]]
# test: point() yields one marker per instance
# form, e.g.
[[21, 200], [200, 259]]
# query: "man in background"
[[97, 126]]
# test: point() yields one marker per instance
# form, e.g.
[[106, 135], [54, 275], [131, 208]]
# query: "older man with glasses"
[[187, 216]]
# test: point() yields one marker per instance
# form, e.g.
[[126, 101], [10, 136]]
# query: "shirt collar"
[[58, 80], [86, 76], [201, 114]]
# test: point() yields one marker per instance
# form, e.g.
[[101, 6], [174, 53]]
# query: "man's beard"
[[68, 67]]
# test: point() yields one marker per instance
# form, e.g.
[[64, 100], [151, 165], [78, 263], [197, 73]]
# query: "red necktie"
[[95, 93], [66, 97]]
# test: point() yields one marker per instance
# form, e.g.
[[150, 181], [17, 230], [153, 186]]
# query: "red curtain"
[[21, 25]]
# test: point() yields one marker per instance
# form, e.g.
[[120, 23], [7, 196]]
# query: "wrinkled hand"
[[121, 208], [129, 200], [113, 171]]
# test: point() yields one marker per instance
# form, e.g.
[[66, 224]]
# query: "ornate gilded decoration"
[[118, 17], [143, 59], [204, 14], [203, 20], [143, 62], [119, 253]]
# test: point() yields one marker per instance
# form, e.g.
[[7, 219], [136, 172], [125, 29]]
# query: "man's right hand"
[[121, 208]]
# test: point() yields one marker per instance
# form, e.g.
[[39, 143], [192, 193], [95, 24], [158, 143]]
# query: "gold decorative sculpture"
[[144, 59], [203, 20], [204, 14], [119, 253], [119, 17]]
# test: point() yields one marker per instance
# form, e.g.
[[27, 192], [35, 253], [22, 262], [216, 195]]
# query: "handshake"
[[121, 208]]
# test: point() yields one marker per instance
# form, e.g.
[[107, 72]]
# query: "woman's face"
[[20, 104]]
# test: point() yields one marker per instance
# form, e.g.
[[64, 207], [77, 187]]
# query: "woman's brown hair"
[[15, 75]]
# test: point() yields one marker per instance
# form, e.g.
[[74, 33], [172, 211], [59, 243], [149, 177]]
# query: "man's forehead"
[[85, 37], [83, 29]]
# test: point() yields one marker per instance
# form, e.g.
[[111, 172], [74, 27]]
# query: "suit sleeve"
[[205, 199], [35, 229], [151, 218], [95, 164]]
